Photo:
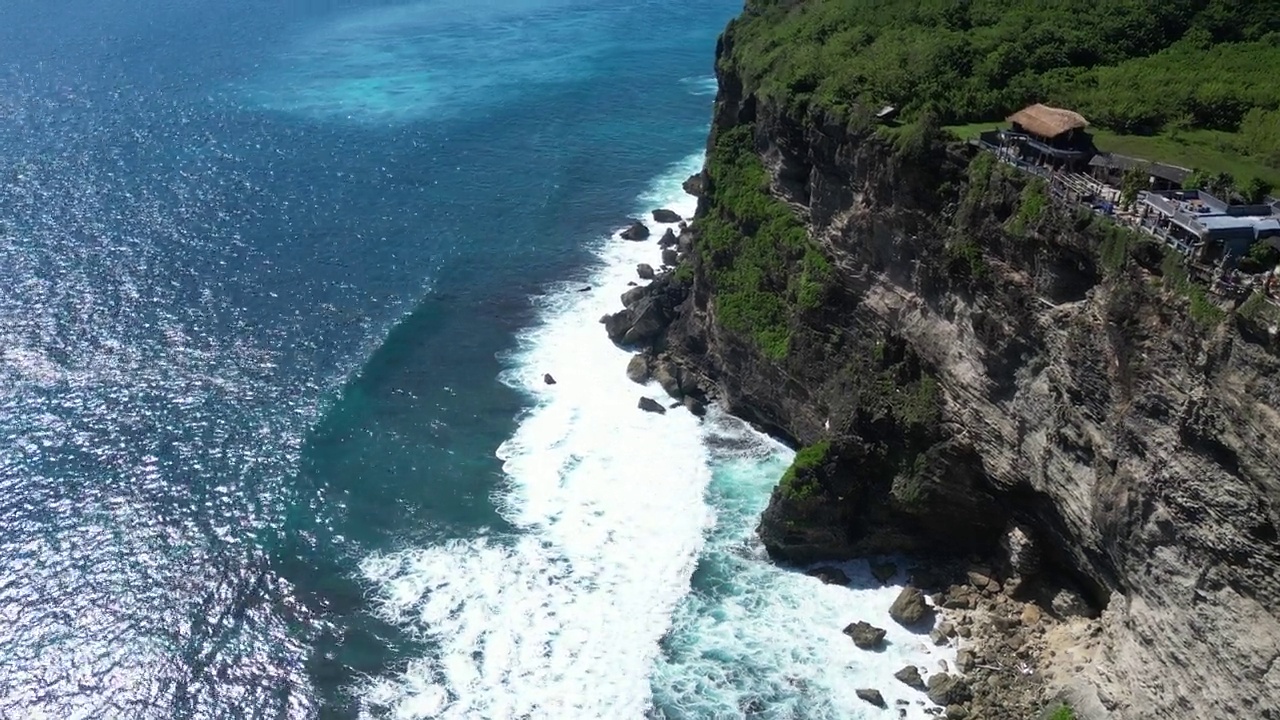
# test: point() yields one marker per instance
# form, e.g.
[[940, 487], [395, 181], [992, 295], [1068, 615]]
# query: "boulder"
[[668, 239], [910, 676], [651, 405], [958, 597], [693, 185], [865, 635], [910, 608], [649, 323], [964, 660], [883, 572], [665, 216], [980, 578], [638, 369], [943, 633], [670, 257], [667, 374], [695, 406], [632, 297], [548, 379], [637, 231], [872, 696], [946, 689], [645, 271], [830, 575]]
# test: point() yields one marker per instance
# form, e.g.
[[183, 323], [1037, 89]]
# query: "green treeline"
[[1132, 66]]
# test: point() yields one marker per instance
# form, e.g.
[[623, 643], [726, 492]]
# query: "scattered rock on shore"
[[651, 405], [548, 379], [943, 633], [668, 239], [910, 608], [872, 696], [638, 369], [664, 215], [637, 231], [645, 271], [865, 635], [946, 689], [670, 257], [910, 676], [830, 575]]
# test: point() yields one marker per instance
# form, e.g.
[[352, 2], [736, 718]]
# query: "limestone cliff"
[[965, 355]]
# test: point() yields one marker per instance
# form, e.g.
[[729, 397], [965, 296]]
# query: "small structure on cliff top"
[[1110, 168], [1207, 228], [1049, 136]]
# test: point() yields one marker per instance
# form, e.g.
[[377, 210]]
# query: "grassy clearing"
[[1210, 150], [1195, 149]]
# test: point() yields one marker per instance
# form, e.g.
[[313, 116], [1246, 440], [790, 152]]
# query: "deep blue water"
[[259, 265], [278, 287]]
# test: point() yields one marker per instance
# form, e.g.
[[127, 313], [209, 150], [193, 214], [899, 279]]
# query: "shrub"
[[1062, 712], [757, 252], [799, 482]]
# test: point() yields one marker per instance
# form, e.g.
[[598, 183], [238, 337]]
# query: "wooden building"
[[1049, 136], [1110, 168]]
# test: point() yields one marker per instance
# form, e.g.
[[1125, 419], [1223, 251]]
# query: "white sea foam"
[[564, 621], [759, 638], [587, 613]]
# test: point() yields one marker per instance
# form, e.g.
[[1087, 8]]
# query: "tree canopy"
[[1132, 66]]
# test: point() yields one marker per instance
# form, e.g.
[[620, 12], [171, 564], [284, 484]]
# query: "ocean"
[[279, 283]]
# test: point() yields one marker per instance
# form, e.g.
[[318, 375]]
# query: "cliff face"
[[980, 358]]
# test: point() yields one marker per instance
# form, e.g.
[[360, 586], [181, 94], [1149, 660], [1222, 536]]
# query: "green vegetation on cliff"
[[1191, 73], [799, 481], [754, 249]]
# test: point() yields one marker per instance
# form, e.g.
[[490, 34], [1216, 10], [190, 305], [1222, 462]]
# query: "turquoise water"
[[278, 285]]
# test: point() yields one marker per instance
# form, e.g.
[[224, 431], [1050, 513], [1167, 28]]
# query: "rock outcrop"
[[990, 373], [910, 676], [865, 635], [910, 608], [636, 231], [638, 368], [872, 696], [665, 216], [651, 405]]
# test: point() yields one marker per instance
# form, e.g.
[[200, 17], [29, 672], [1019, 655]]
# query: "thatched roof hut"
[[1048, 122]]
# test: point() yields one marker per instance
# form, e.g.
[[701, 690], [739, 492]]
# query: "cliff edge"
[[980, 373]]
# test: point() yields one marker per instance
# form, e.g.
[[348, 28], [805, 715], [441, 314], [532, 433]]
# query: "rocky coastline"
[[1081, 470]]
